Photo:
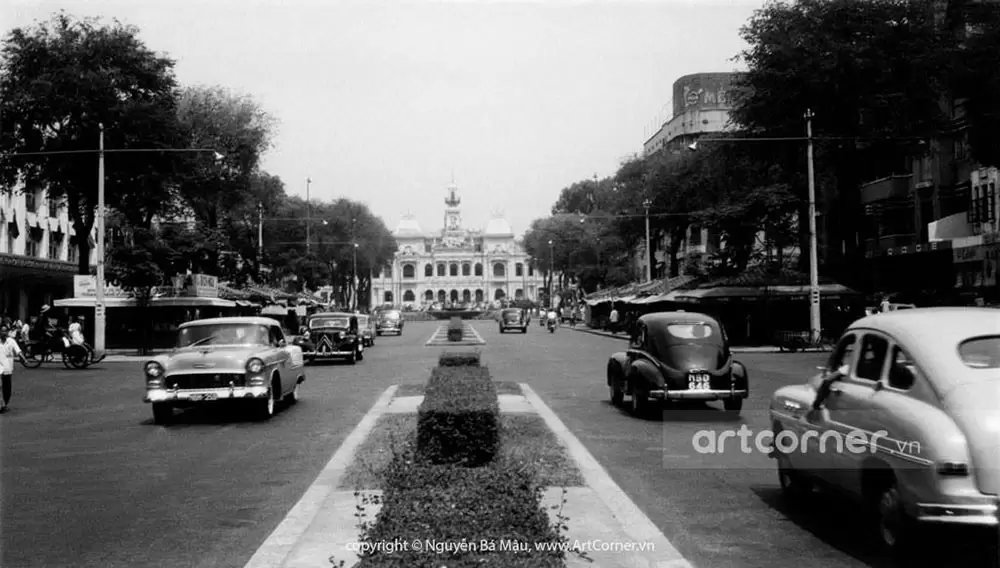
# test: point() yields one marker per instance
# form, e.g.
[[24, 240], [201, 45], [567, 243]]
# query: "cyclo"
[[74, 355]]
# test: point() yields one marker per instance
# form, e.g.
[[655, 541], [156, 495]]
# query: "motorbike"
[[551, 324]]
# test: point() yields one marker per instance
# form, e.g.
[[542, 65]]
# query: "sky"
[[387, 102]]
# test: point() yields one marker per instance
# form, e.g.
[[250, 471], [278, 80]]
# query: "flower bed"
[[455, 327]]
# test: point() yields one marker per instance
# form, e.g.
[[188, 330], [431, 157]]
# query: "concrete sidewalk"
[[624, 337]]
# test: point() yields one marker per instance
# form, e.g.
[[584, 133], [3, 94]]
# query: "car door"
[[853, 414], [810, 425]]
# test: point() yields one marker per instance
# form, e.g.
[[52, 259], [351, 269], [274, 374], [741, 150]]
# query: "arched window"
[[519, 269], [479, 296], [466, 295], [388, 297], [429, 295], [428, 270], [499, 269], [454, 295], [531, 270], [409, 271], [500, 294], [466, 270], [479, 269], [453, 269], [442, 295], [519, 294], [408, 296], [441, 269]]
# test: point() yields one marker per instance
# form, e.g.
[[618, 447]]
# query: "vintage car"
[[366, 325], [919, 391], [389, 321], [513, 318], [331, 335], [239, 359], [677, 356]]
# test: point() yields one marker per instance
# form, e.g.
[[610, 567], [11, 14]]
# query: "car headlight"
[[255, 365], [154, 369]]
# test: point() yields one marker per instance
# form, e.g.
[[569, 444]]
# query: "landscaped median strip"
[[528, 464], [469, 337]]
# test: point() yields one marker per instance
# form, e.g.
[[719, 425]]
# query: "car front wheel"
[[265, 406], [617, 396], [733, 406]]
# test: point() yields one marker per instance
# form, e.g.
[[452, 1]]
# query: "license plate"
[[204, 396], [699, 381]]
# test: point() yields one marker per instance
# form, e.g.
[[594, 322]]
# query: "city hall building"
[[456, 265]]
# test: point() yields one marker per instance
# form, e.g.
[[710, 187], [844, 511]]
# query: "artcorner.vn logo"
[[855, 441]]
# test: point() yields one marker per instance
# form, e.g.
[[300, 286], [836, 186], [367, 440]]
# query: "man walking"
[[8, 350]]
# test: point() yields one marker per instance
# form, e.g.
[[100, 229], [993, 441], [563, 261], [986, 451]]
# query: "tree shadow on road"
[[841, 524], [678, 412]]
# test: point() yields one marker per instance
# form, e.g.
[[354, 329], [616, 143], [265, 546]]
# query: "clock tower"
[[452, 213]]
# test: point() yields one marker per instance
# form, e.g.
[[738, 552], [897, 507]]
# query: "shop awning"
[[829, 291], [118, 302]]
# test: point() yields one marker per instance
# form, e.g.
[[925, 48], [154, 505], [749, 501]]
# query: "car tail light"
[[953, 469]]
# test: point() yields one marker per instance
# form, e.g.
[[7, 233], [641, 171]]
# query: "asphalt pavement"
[[88, 480]]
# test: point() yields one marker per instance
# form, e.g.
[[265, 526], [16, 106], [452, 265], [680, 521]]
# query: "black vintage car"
[[513, 318], [332, 335], [389, 321], [677, 356]]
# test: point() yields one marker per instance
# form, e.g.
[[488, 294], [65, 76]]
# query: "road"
[[88, 480]]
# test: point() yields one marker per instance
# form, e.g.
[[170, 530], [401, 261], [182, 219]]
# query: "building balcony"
[[891, 187]]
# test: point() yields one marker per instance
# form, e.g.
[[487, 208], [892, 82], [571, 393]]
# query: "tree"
[[975, 79], [59, 81], [872, 73], [236, 127], [137, 265], [240, 225]]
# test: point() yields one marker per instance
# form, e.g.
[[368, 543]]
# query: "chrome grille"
[[206, 381]]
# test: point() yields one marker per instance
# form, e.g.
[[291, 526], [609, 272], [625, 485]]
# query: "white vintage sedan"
[[238, 360], [905, 417]]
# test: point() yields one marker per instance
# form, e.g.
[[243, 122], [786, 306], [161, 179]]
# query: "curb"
[[765, 349]]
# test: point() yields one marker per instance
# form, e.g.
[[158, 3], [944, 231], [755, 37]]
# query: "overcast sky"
[[383, 102]]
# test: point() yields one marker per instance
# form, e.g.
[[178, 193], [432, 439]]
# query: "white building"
[[38, 251], [456, 265]]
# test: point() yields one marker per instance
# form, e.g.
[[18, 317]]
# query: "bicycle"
[[793, 341], [74, 356]]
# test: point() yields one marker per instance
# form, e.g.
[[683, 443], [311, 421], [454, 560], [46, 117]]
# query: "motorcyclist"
[[552, 318]]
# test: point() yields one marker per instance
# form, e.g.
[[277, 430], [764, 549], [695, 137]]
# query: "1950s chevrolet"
[[677, 356], [239, 359], [905, 417]]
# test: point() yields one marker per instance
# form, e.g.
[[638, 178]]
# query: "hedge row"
[[490, 508], [458, 421], [455, 327], [459, 359]]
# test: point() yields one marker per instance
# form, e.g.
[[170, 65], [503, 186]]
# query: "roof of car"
[[249, 320], [331, 314], [676, 317], [932, 335]]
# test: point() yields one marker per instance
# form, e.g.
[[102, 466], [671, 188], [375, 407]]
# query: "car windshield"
[[337, 321], [223, 334], [981, 352]]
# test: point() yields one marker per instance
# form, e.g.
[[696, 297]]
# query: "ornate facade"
[[457, 265]]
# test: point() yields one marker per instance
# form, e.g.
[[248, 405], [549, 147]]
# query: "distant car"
[[366, 325], [513, 318], [677, 356], [871, 310], [330, 335], [389, 321], [924, 384], [237, 360]]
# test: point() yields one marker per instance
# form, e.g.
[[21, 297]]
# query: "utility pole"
[[100, 318], [308, 217], [354, 277], [552, 275], [260, 237], [815, 328], [647, 273]]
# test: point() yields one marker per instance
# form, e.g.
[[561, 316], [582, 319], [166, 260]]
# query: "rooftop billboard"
[[704, 91]]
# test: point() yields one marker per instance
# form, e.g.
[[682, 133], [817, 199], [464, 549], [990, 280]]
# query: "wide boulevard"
[[88, 480]]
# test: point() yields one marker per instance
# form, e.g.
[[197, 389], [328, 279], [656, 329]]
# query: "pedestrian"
[[8, 350]]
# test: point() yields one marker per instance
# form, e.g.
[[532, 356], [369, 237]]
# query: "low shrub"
[[496, 510], [458, 421], [459, 359], [455, 328]]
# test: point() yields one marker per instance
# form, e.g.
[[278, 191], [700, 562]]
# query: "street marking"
[[440, 337], [281, 542], [633, 521]]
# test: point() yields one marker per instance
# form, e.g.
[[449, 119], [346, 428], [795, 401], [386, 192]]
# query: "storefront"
[[975, 260], [27, 283]]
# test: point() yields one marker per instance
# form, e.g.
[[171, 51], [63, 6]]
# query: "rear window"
[[690, 330], [981, 352]]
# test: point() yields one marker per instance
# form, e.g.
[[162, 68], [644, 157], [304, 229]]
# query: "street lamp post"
[[308, 216], [647, 271], [814, 313], [260, 237]]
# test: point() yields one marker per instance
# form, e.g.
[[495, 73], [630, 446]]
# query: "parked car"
[[677, 356], [366, 325], [513, 318], [332, 335], [924, 385], [236, 360], [389, 321]]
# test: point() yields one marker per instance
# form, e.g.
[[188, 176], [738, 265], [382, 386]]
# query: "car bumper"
[[697, 394], [205, 395], [324, 354], [982, 515]]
